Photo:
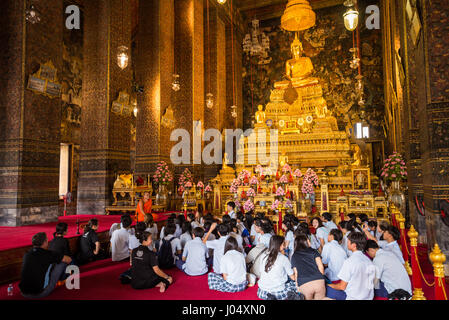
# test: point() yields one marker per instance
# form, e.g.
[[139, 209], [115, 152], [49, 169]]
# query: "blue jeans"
[[381, 292], [335, 294], [53, 277]]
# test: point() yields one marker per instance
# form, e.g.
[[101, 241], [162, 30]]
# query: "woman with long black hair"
[[276, 275]]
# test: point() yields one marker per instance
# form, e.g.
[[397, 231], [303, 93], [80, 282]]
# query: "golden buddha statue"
[[357, 156], [260, 117], [298, 68]]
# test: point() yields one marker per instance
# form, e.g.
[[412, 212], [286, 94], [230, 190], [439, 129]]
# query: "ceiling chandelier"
[[209, 95], [176, 86], [122, 51], [256, 43], [351, 16]]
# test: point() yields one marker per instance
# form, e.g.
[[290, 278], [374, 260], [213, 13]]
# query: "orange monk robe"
[[146, 208]]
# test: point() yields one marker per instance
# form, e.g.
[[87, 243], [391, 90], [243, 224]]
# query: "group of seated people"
[[356, 260]]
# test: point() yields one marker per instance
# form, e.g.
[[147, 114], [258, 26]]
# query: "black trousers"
[[148, 283]]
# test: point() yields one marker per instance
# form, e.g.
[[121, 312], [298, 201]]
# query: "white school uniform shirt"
[[153, 231], [178, 231], [233, 264], [120, 244], [195, 252], [254, 234], [330, 225], [322, 233], [232, 214], [175, 244], [265, 239], [393, 247], [275, 279], [344, 244], [218, 247], [238, 238], [391, 271], [359, 272], [184, 238], [334, 256], [291, 244], [195, 224], [133, 242], [314, 242]]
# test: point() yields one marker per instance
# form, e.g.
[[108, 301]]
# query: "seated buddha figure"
[[298, 68], [260, 117]]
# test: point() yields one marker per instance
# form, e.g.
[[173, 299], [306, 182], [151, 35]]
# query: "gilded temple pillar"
[[155, 59], [189, 46], [105, 134], [434, 112], [29, 122]]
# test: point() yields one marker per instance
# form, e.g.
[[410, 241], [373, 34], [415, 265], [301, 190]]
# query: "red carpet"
[[99, 281], [16, 237]]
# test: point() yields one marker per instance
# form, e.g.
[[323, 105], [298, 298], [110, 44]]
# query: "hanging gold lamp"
[[298, 16]]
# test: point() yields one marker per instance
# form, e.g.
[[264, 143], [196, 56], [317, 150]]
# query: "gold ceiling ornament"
[[298, 16]]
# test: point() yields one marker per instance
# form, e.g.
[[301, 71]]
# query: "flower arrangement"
[[163, 175], [251, 193], [280, 192], [253, 180], [394, 168], [309, 182], [185, 177], [286, 168], [288, 204], [297, 173], [283, 179], [208, 188], [200, 185], [275, 205], [248, 205], [188, 184], [234, 186], [244, 176], [238, 205]]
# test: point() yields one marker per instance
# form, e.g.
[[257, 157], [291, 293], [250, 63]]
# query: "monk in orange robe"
[[144, 207]]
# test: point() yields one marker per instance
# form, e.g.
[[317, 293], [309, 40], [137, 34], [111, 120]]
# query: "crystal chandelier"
[[32, 15], [122, 57], [221, 1], [355, 62], [176, 86], [256, 43]]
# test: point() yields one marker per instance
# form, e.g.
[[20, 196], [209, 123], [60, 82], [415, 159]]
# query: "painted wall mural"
[[327, 44]]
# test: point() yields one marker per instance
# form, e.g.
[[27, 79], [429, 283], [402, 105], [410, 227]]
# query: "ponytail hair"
[[143, 236], [273, 251], [90, 224]]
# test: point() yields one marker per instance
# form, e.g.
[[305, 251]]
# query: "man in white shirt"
[[333, 255], [217, 245], [390, 242], [357, 274], [255, 257], [194, 256], [231, 210], [175, 243], [120, 240], [389, 270], [327, 221]]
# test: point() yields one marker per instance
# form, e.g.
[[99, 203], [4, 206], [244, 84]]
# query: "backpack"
[[165, 255]]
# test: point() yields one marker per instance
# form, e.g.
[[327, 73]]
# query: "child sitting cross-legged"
[[233, 269], [194, 256]]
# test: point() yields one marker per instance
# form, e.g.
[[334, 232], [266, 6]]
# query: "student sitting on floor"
[[231, 210], [254, 234], [390, 242], [169, 248], [372, 228], [243, 231], [287, 226], [207, 225], [303, 228], [41, 268], [357, 274], [151, 226], [193, 222], [327, 221], [145, 272], [254, 259], [217, 245], [381, 228], [333, 255], [321, 232], [233, 268], [194, 255], [276, 273], [178, 222], [308, 269], [134, 241], [186, 233], [59, 244], [265, 229], [390, 271], [120, 240], [90, 244], [235, 232]]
